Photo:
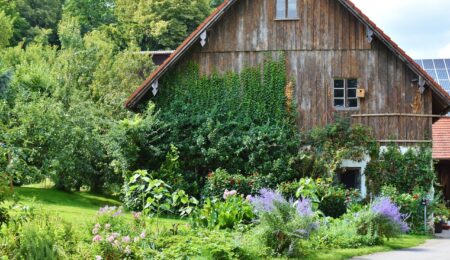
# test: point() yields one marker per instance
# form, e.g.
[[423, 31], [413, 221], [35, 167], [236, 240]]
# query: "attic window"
[[287, 9], [345, 93]]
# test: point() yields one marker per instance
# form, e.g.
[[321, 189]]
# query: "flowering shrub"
[[382, 219], [283, 224], [226, 214], [113, 237]]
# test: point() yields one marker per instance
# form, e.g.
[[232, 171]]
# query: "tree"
[[159, 24], [6, 29], [91, 13]]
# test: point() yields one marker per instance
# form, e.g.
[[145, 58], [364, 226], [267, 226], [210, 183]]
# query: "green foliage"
[[227, 214], [40, 236], [154, 196], [339, 141], [221, 180], [91, 13], [404, 171], [284, 229], [6, 29], [247, 128]]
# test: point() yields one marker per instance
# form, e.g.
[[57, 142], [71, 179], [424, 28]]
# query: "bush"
[[221, 180], [382, 220], [40, 236], [115, 237], [225, 214], [283, 225]]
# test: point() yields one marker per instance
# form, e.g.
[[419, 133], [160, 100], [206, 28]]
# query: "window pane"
[[292, 9], [338, 83], [339, 93], [351, 93], [339, 103], [352, 103], [352, 83], [281, 8]]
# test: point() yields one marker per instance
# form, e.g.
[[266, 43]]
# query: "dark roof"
[[136, 97]]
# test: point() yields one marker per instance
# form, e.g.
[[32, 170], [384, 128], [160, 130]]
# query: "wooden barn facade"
[[341, 62]]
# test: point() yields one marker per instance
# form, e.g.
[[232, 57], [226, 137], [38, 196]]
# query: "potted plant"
[[439, 222]]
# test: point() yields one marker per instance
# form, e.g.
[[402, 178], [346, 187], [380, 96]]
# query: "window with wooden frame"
[[345, 93], [286, 9]]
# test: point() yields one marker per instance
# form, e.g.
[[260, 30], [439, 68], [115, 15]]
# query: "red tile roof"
[[136, 97], [441, 139]]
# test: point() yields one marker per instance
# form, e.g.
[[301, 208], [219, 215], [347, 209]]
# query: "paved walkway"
[[434, 249]]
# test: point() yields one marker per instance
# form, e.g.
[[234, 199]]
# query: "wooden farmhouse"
[[340, 60]]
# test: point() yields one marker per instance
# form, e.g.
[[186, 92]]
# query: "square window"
[[339, 103], [286, 9], [339, 93], [345, 93], [292, 9], [353, 83], [351, 93], [339, 83]]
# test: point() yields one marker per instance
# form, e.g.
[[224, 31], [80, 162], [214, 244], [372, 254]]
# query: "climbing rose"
[[228, 193]]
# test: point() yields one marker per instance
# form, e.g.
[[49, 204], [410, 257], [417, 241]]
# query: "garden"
[[211, 168]]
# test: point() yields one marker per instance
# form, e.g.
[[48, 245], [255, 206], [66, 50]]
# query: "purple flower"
[[126, 239], [304, 207], [228, 193], [386, 208], [117, 213], [97, 238], [142, 235], [265, 201]]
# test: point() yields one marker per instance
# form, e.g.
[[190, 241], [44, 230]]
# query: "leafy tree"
[[91, 13], [216, 3], [159, 24], [6, 29]]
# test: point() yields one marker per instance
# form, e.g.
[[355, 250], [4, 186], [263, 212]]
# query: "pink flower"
[[126, 239], [228, 193], [97, 226], [97, 238], [107, 226], [95, 231], [111, 239], [97, 257], [142, 235], [137, 215]]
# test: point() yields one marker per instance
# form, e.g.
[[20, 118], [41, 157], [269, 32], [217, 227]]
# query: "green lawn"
[[74, 207], [406, 241]]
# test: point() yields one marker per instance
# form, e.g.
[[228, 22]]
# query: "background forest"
[[66, 67]]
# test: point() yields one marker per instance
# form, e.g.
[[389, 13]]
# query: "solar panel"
[[439, 70]]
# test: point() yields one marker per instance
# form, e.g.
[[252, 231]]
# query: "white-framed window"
[[345, 96], [286, 9]]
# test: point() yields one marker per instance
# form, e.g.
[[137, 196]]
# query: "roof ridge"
[[219, 11]]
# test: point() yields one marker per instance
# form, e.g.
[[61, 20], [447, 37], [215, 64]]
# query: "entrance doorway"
[[443, 168], [350, 178]]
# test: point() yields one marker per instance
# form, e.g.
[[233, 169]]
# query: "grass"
[[406, 241], [74, 207]]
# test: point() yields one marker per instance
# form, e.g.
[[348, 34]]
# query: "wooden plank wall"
[[326, 42]]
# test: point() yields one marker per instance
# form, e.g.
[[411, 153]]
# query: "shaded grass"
[[406, 241]]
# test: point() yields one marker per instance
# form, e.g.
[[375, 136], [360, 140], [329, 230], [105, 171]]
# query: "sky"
[[420, 27]]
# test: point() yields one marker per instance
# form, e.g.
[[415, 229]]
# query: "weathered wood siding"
[[326, 42]]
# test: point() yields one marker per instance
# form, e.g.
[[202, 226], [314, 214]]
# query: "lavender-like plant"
[[385, 207], [265, 201]]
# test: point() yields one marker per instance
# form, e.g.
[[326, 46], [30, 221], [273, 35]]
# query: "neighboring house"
[[439, 70], [340, 60]]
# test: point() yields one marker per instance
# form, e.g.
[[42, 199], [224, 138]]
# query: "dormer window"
[[287, 9]]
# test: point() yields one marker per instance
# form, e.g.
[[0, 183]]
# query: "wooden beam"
[[399, 114]]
